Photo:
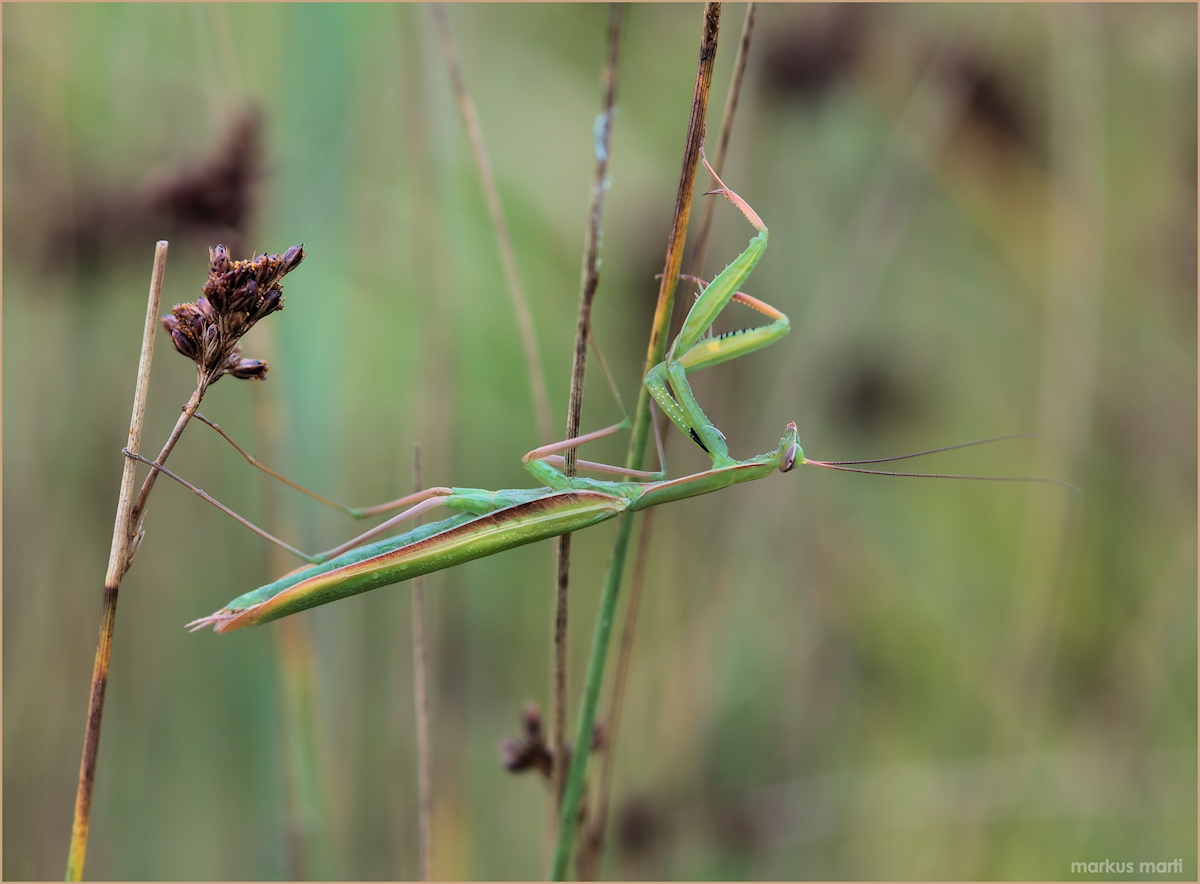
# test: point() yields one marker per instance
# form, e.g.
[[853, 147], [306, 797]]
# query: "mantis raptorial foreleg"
[[691, 351]]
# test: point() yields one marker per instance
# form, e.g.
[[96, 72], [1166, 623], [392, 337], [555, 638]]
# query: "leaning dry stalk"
[[236, 296], [700, 249], [119, 556]]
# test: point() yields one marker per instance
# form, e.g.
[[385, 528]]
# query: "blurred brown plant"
[[532, 752], [211, 198], [806, 61]]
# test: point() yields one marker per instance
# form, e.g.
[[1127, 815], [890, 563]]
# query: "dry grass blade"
[[308, 839], [533, 362], [587, 292], [119, 557]]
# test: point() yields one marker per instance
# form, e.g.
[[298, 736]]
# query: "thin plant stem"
[[590, 279], [593, 845], [309, 852], [189, 411], [120, 555], [421, 698], [533, 362], [569, 816], [700, 249]]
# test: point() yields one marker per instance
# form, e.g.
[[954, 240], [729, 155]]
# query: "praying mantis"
[[489, 522]]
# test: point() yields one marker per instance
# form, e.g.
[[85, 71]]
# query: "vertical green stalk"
[[569, 816], [421, 700], [309, 841], [309, 853]]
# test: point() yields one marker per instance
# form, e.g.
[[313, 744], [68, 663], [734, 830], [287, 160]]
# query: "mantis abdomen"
[[428, 548]]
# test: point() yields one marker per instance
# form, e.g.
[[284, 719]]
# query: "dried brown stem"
[[683, 199], [533, 362], [590, 279], [700, 249], [119, 557], [236, 296], [421, 696]]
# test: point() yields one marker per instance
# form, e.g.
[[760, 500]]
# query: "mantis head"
[[790, 450]]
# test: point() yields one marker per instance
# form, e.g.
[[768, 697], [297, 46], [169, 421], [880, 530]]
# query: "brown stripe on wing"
[[496, 518]]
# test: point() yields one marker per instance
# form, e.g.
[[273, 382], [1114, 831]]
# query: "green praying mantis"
[[488, 522]]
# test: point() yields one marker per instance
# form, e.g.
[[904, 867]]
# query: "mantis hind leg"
[[422, 501], [352, 512]]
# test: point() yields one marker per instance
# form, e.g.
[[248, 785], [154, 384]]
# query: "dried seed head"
[[181, 337], [244, 297], [530, 752], [532, 721], [268, 303], [236, 295], [248, 369]]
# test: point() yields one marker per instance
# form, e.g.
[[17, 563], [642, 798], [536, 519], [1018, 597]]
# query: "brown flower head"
[[532, 752], [237, 295]]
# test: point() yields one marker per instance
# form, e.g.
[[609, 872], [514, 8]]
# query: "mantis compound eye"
[[789, 458]]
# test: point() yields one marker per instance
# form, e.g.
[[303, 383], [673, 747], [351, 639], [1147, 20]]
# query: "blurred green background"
[[983, 221]]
